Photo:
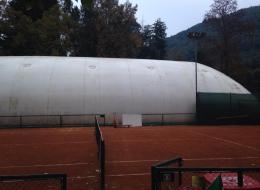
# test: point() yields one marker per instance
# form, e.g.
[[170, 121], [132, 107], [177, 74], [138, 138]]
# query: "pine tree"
[[147, 36], [153, 41], [159, 37]]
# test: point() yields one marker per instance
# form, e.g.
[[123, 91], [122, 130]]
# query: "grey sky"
[[177, 14]]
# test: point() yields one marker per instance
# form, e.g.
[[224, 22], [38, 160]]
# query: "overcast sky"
[[178, 15]]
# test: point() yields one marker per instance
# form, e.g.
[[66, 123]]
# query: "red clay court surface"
[[130, 152]]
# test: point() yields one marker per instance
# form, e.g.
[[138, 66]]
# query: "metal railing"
[[37, 181], [47, 120], [156, 175], [177, 176], [101, 153], [87, 120]]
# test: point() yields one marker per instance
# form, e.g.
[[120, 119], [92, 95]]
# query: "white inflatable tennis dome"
[[154, 89]]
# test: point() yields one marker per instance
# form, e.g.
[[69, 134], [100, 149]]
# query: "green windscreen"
[[220, 106]]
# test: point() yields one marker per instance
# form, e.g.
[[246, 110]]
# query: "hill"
[[245, 65], [179, 47]]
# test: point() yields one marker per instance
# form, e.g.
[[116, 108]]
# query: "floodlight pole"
[[196, 36]]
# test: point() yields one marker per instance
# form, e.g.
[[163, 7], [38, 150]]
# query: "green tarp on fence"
[[227, 106]]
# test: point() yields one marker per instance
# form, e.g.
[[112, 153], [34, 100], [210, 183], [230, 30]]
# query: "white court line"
[[81, 177], [151, 140], [236, 158], [123, 161], [111, 175], [39, 144], [121, 175], [45, 165], [187, 159], [228, 141], [130, 161]]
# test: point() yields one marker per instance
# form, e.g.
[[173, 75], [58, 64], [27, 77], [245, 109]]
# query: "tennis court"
[[130, 152], [71, 151]]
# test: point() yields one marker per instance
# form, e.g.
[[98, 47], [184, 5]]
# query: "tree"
[[72, 17], [153, 41], [53, 33], [147, 36], [108, 29], [221, 16], [118, 33], [17, 33], [159, 36], [103, 28], [3, 4], [34, 28], [221, 9], [232, 29], [34, 9], [86, 39]]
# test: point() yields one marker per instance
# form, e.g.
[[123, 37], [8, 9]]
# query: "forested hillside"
[[245, 47]]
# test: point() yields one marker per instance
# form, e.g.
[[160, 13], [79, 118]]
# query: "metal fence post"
[[240, 178], [21, 121], [153, 178], [162, 119], [180, 173], [64, 182], [60, 120], [102, 164], [230, 104], [158, 179]]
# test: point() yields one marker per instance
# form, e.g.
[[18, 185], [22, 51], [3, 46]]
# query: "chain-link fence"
[[34, 182], [24, 121]]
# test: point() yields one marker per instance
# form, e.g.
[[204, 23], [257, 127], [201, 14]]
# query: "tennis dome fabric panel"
[[64, 86]]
